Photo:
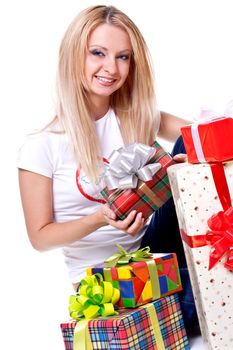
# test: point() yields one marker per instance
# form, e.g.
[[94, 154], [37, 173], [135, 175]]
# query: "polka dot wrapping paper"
[[201, 192]]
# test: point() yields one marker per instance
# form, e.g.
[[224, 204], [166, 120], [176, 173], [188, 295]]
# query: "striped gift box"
[[148, 196], [158, 326]]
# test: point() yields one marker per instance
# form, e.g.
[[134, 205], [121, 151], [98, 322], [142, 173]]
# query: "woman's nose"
[[110, 65]]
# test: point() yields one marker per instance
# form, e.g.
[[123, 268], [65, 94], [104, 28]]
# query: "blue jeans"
[[163, 236]]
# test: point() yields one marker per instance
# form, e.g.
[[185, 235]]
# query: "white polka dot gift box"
[[203, 195]]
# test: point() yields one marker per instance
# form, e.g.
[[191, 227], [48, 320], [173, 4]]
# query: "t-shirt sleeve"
[[36, 154]]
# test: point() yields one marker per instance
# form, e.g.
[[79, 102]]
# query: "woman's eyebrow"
[[104, 48]]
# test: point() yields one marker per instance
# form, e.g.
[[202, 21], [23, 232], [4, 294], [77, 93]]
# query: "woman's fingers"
[[132, 224], [180, 158], [108, 213], [137, 225], [124, 224]]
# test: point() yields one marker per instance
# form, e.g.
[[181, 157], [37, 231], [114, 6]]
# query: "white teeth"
[[105, 80]]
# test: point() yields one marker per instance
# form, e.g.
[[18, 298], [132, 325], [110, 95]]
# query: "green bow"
[[123, 257], [96, 297]]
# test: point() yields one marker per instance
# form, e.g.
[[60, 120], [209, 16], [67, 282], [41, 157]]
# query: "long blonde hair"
[[134, 103]]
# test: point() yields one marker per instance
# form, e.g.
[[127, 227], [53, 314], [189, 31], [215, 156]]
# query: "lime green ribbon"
[[155, 325], [96, 297], [82, 339], [122, 257]]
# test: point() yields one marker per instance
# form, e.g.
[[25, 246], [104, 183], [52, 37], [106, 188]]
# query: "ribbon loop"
[[95, 298], [91, 298], [229, 215], [128, 165], [123, 257], [221, 238]]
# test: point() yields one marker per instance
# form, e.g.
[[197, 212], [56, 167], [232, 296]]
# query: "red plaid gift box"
[[209, 141], [147, 196], [140, 282], [155, 326]]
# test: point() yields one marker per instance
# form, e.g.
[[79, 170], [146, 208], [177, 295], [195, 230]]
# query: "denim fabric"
[[163, 236]]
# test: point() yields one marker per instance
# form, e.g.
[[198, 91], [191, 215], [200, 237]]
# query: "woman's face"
[[107, 60]]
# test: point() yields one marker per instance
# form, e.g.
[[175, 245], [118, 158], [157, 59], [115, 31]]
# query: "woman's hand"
[[132, 224], [180, 158]]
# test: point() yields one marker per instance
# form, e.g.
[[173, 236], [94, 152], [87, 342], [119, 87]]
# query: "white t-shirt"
[[48, 154]]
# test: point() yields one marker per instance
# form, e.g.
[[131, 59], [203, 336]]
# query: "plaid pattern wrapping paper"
[[135, 330], [139, 282], [148, 196]]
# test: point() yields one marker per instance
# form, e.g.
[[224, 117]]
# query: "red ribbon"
[[220, 182], [220, 235], [193, 241], [221, 238], [221, 224]]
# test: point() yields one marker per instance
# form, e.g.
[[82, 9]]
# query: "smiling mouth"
[[105, 80]]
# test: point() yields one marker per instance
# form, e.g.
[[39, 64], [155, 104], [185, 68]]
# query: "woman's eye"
[[123, 57], [97, 53]]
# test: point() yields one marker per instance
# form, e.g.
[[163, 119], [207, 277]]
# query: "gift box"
[[158, 325], [203, 199], [209, 141], [145, 193], [141, 282]]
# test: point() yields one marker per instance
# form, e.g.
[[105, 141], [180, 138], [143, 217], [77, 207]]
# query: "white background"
[[190, 42]]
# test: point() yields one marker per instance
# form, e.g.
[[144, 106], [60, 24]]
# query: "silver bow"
[[127, 165]]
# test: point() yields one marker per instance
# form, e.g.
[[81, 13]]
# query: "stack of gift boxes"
[[148, 309], [203, 192], [145, 313]]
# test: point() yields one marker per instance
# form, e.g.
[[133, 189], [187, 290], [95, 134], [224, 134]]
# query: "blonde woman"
[[105, 100]]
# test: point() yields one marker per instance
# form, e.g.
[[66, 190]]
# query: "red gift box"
[[210, 141], [148, 196]]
